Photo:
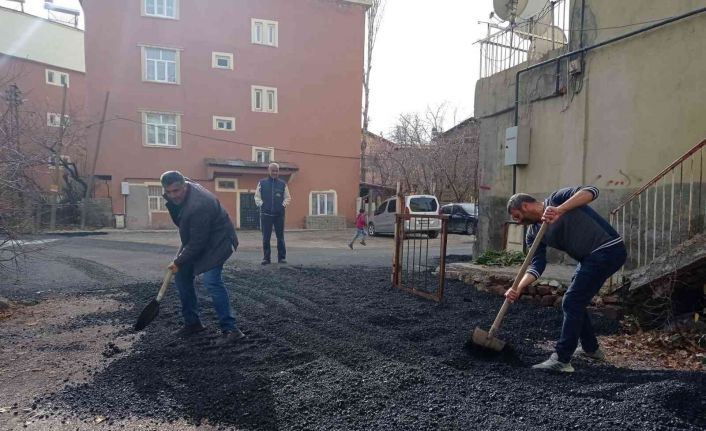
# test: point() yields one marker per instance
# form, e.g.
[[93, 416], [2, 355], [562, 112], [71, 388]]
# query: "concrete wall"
[[638, 106], [37, 39]]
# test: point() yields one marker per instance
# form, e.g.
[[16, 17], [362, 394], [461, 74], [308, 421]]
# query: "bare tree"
[[28, 159], [374, 19], [427, 159]]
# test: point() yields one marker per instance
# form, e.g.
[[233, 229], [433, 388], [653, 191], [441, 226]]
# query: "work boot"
[[283, 261], [350, 245], [265, 262], [553, 364], [189, 330], [598, 355], [230, 336]]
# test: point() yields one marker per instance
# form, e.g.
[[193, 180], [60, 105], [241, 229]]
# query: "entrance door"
[[249, 212]]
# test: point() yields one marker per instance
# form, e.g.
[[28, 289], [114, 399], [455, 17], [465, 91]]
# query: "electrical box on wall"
[[517, 145], [124, 188]]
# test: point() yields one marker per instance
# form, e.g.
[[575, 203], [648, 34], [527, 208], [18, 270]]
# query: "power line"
[[211, 138]]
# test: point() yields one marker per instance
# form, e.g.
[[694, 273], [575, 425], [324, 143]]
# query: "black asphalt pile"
[[334, 349]]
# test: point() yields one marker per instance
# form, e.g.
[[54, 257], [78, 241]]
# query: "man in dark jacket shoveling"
[[578, 230], [207, 240]]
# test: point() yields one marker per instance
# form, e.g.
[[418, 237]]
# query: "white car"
[[383, 220]]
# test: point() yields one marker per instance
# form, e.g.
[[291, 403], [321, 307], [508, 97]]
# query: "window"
[[53, 120], [263, 155], [162, 8], [447, 209], [226, 185], [323, 203], [264, 99], [423, 204], [155, 198], [382, 209], [392, 206], [161, 129], [224, 123], [160, 65], [55, 77], [222, 60], [265, 32]]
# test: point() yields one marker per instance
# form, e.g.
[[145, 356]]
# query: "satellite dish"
[[507, 10], [549, 38], [533, 8]]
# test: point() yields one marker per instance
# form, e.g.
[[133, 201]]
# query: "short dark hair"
[[362, 210], [171, 177], [515, 202]]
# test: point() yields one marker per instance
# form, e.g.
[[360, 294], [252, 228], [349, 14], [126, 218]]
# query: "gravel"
[[338, 349]]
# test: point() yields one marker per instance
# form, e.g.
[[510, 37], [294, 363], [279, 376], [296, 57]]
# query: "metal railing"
[[668, 210], [525, 39], [414, 261]]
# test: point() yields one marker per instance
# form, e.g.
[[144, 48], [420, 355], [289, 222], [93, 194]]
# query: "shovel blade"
[[483, 339], [148, 315]]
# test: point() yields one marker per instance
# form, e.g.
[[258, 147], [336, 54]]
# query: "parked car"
[[383, 220], [463, 217]]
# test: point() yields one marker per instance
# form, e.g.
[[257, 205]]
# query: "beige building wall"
[[641, 106], [37, 39]]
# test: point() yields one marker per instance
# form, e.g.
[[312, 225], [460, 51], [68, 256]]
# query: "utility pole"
[[91, 178], [57, 163]]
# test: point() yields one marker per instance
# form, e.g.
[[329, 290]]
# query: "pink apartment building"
[[219, 88]]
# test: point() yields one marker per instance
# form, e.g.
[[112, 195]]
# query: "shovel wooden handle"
[[165, 284], [523, 268]]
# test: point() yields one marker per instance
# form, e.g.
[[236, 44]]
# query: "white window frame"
[[56, 74], [216, 55], [145, 126], [256, 150], [177, 65], [162, 15], [318, 194], [227, 190], [52, 118], [264, 94], [217, 118], [161, 202], [264, 32]]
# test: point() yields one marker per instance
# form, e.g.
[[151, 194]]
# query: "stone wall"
[[325, 222]]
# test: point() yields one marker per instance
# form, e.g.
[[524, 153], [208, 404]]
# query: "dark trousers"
[[267, 222], [590, 275]]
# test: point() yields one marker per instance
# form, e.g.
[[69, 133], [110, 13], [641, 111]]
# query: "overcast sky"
[[424, 56]]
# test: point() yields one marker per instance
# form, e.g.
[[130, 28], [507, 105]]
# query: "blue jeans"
[[358, 233], [590, 275], [213, 281]]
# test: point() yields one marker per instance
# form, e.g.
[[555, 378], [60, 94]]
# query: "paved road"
[[83, 263]]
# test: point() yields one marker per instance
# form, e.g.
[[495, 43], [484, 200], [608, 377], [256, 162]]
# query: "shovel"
[[487, 339], [152, 309]]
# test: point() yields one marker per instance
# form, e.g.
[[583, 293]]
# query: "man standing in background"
[[272, 197]]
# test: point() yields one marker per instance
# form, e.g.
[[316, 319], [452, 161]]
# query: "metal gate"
[[249, 212], [414, 263]]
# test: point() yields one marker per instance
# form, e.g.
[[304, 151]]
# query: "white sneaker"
[[553, 364], [598, 355]]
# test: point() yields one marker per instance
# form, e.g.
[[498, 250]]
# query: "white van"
[[383, 220]]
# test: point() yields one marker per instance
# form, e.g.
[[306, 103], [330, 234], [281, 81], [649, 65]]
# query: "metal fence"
[[526, 39], [415, 255], [665, 212]]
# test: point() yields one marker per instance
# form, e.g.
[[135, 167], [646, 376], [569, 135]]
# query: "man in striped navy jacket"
[[578, 230]]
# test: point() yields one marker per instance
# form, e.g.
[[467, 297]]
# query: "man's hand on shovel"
[[173, 267]]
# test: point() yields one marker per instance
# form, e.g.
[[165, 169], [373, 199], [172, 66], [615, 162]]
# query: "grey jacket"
[[207, 235]]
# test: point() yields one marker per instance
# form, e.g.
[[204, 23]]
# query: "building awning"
[[218, 167]]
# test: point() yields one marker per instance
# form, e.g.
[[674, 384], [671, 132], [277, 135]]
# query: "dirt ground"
[[326, 349]]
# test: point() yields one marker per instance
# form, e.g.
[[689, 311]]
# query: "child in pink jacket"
[[359, 228]]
